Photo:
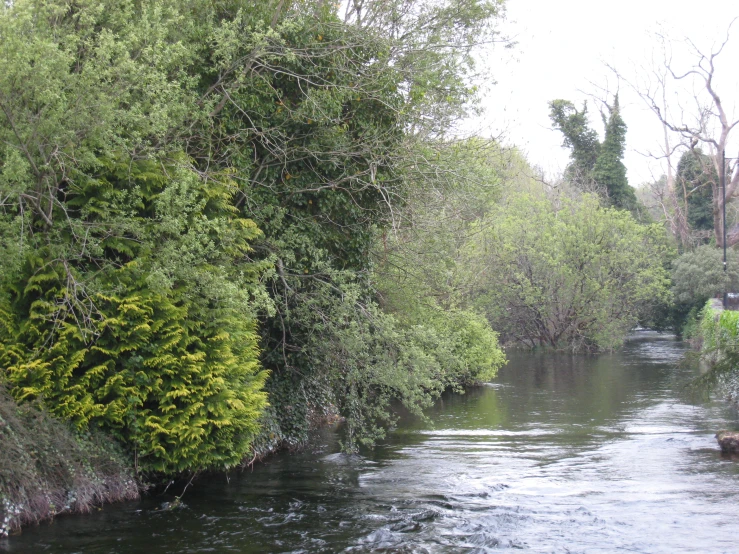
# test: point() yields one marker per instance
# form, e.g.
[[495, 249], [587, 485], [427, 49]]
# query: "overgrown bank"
[[192, 197], [718, 336], [47, 468]]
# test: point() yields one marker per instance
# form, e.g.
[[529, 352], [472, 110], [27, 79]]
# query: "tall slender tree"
[[595, 166], [609, 170]]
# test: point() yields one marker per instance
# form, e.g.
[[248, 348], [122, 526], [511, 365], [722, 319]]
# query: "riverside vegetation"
[[715, 332], [222, 222]]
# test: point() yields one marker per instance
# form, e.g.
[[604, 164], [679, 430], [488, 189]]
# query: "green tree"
[[432, 46], [695, 182], [699, 275], [609, 170], [596, 167], [577, 280]]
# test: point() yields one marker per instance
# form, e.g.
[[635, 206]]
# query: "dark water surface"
[[560, 454]]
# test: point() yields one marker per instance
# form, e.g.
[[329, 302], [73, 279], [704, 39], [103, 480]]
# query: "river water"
[[560, 454]]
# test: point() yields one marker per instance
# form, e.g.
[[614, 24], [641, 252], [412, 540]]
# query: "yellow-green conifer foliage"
[[161, 348]]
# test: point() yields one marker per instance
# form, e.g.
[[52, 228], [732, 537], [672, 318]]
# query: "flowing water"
[[560, 454]]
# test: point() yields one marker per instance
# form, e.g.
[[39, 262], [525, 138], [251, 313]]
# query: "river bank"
[[716, 337], [47, 469]]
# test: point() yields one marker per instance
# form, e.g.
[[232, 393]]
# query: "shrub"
[[699, 275], [151, 336]]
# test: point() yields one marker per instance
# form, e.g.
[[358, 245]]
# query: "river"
[[560, 454]]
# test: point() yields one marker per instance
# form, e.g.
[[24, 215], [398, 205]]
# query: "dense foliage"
[[698, 275], [151, 334], [326, 139], [191, 197], [578, 280], [718, 335]]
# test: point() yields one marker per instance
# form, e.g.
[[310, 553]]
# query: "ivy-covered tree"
[[582, 141], [596, 167], [609, 169], [695, 181]]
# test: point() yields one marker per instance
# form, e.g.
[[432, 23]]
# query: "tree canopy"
[[578, 280]]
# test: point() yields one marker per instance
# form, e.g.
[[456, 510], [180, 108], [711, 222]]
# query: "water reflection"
[[561, 454]]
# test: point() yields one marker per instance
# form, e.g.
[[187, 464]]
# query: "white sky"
[[562, 49]]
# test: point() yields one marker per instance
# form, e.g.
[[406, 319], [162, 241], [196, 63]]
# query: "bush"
[[152, 337], [699, 275], [368, 359], [183, 394], [719, 331]]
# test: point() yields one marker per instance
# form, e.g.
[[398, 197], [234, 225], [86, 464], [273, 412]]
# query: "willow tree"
[[578, 280]]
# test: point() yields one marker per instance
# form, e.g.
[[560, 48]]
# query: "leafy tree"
[[309, 130], [432, 46], [422, 257], [421, 336], [609, 171], [577, 280], [699, 275]]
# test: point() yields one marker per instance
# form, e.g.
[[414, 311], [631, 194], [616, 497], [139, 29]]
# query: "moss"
[[47, 468]]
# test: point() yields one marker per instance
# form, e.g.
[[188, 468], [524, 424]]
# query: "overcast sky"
[[562, 50]]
